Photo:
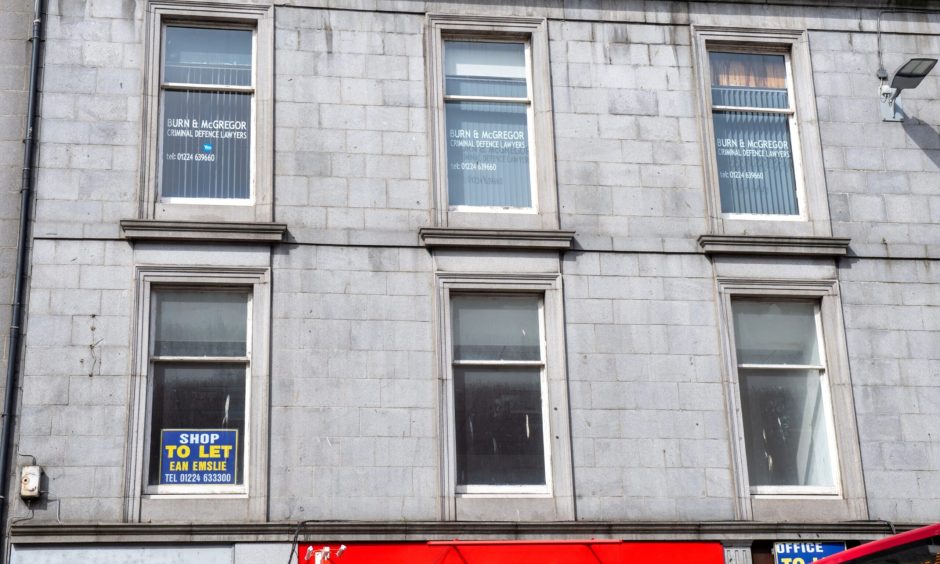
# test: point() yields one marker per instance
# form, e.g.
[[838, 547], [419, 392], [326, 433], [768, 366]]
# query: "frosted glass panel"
[[499, 427], [775, 332], [785, 428], [207, 56], [477, 68], [190, 323], [496, 328]]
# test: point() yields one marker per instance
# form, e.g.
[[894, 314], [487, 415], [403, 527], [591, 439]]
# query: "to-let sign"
[[804, 552], [198, 456]]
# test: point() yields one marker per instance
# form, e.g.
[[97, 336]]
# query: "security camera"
[[342, 549]]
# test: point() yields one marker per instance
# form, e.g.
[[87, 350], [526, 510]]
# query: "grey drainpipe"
[[22, 261]]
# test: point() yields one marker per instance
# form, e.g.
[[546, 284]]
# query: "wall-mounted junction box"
[[29, 482]]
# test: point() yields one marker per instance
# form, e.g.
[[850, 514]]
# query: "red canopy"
[[521, 552]]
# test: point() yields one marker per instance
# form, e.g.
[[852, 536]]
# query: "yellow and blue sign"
[[198, 456], [804, 552]]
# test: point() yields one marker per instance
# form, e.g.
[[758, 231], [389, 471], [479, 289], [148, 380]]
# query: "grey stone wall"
[[650, 432], [76, 386], [354, 389], [881, 175], [355, 403], [892, 330], [91, 119], [352, 160], [15, 29], [627, 139]]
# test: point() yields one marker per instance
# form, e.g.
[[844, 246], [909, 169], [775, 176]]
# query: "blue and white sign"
[[198, 456], [804, 552]]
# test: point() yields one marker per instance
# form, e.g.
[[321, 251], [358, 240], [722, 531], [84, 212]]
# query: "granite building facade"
[[395, 272]]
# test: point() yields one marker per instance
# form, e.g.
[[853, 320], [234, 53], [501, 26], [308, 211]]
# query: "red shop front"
[[513, 552]]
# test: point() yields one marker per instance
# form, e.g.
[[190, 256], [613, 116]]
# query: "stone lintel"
[[202, 231], [496, 238], [774, 245]]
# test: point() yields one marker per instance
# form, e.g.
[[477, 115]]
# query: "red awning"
[[521, 552]]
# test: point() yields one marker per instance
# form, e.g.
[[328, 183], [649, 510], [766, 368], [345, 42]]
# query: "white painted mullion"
[[752, 110], [506, 363], [796, 151], [827, 403], [530, 129], [200, 87], [487, 99], [782, 366], [543, 386]]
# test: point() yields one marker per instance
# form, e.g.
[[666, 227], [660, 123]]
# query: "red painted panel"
[[516, 552], [895, 541]]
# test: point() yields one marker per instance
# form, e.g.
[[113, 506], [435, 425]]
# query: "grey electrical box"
[[29, 482]]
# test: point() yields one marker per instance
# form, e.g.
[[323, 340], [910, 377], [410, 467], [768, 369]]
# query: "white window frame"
[[543, 391], [533, 33], [796, 150], [556, 497], [823, 374], [187, 87], [527, 102], [245, 437], [225, 14], [806, 149], [761, 504], [247, 498]]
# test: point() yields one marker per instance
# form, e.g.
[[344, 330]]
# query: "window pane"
[[207, 56], [755, 163], [785, 429], [190, 323], [749, 80], [499, 427], [206, 145], [475, 68], [488, 154], [775, 332], [197, 397], [496, 328]]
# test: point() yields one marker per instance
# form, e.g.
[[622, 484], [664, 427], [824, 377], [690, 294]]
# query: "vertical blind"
[[206, 132], [754, 148], [487, 141]]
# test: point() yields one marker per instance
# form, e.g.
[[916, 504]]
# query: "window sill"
[[795, 495], [505, 495], [152, 229], [496, 238], [774, 245], [196, 495]]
